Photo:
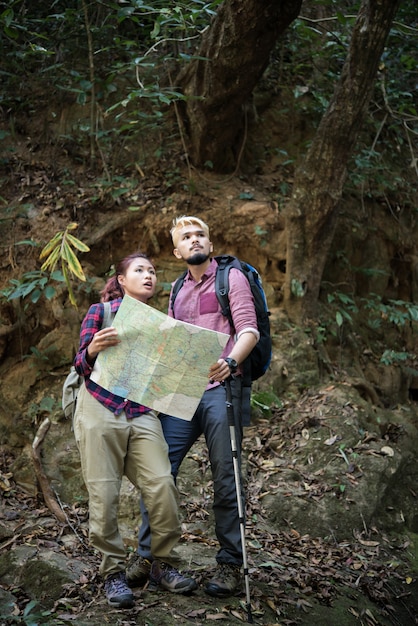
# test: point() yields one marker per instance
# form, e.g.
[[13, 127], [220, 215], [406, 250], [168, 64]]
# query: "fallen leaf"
[[387, 451], [370, 614], [331, 440], [369, 544], [196, 613], [237, 615]]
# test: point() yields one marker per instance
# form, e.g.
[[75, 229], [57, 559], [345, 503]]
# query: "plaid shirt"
[[91, 324]]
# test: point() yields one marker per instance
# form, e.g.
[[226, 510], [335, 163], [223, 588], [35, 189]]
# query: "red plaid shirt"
[[91, 324]]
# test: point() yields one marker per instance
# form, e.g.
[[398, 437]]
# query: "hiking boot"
[[226, 581], [137, 571], [169, 578], [117, 591]]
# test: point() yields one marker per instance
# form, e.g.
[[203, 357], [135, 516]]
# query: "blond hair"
[[187, 220]]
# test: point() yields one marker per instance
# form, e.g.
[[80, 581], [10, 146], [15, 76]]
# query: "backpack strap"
[[176, 288], [107, 315], [225, 262]]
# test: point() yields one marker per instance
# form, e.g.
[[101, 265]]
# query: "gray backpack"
[[73, 381]]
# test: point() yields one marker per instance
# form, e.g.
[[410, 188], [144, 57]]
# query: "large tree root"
[[43, 481]]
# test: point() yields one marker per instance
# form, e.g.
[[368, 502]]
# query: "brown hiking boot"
[[137, 571], [169, 578], [226, 582]]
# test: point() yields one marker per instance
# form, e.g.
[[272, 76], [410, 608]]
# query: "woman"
[[115, 437]]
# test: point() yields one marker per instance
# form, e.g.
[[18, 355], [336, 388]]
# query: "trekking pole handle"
[[229, 405]]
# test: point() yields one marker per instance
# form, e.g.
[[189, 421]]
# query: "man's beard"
[[197, 258]]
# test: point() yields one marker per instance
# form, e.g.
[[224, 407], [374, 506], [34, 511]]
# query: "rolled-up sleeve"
[[242, 305], [89, 327]]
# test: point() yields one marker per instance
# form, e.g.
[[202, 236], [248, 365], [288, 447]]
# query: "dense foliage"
[[119, 61], [122, 59]]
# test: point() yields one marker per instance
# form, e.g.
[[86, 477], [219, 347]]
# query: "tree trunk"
[[236, 50], [313, 208]]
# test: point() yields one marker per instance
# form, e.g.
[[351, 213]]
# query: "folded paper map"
[[160, 362]]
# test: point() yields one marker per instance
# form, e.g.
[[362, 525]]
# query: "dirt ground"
[[49, 574]]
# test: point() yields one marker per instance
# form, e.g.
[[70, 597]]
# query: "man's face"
[[193, 245]]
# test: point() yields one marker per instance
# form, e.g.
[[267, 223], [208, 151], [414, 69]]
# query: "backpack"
[[73, 381], [257, 362]]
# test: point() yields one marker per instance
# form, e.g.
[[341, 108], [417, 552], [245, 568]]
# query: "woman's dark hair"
[[112, 288]]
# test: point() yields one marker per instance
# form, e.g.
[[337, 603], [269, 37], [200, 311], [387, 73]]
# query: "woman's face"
[[140, 280]]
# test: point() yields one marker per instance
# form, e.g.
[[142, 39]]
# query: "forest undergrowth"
[[293, 578]]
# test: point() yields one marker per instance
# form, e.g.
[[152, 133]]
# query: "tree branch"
[[47, 492]]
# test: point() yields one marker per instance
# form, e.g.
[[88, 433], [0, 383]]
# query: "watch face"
[[233, 365]]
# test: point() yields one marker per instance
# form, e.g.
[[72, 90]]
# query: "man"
[[196, 303]]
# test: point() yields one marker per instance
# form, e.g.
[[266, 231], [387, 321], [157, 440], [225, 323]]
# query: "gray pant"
[[111, 446], [211, 420]]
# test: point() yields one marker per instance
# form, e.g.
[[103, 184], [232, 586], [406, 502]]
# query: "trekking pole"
[[232, 432]]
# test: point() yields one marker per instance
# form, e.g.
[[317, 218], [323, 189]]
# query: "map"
[[160, 362]]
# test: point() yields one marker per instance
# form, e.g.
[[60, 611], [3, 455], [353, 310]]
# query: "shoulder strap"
[[176, 288], [107, 315], [225, 262]]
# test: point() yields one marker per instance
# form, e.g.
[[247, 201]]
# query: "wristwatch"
[[232, 364]]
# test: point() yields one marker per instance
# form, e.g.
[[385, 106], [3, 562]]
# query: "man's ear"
[[176, 253], [211, 247]]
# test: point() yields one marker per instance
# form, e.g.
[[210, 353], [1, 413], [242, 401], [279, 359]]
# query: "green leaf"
[[73, 263], [57, 238], [35, 296], [119, 192], [81, 98], [50, 292], [271, 564], [246, 195], [76, 243], [69, 287], [27, 242], [156, 30], [52, 260], [57, 275]]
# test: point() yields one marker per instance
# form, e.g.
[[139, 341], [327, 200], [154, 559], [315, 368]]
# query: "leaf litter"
[[292, 575]]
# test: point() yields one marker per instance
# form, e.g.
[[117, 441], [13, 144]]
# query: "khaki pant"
[[111, 446]]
